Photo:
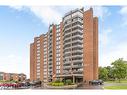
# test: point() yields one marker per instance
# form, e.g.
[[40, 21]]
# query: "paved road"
[[90, 87], [83, 87]]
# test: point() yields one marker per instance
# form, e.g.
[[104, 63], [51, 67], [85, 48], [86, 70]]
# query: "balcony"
[[50, 69], [80, 46], [66, 67], [66, 63], [50, 66], [77, 51], [78, 72], [77, 66], [78, 55], [78, 61]]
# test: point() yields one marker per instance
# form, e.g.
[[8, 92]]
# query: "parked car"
[[96, 82]]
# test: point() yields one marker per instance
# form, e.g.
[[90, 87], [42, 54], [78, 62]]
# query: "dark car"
[[96, 82]]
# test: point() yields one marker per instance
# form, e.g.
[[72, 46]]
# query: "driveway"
[[91, 87]]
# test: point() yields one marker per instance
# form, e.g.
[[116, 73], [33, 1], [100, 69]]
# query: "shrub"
[[57, 81], [68, 82], [50, 83], [57, 84], [53, 84], [61, 84], [72, 83]]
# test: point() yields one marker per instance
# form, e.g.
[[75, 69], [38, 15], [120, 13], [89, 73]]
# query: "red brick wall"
[[41, 57], [31, 62], [90, 46], [54, 51], [95, 55]]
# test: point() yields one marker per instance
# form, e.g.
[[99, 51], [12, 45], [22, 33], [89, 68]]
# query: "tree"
[[110, 73], [119, 69], [103, 73]]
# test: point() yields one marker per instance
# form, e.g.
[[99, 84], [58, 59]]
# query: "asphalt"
[[90, 87]]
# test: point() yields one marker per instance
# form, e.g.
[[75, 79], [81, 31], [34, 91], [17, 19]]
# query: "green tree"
[[103, 73], [119, 69], [110, 73]]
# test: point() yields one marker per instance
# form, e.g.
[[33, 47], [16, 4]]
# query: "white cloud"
[[112, 54], [123, 12], [101, 12], [47, 14], [50, 14], [19, 8], [104, 43], [14, 64]]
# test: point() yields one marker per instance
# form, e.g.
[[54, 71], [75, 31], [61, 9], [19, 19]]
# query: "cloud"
[[14, 64], [52, 14], [123, 13], [104, 43], [101, 12], [112, 54], [18, 8], [47, 14]]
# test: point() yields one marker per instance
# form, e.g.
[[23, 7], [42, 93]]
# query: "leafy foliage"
[[68, 82], [103, 73], [118, 70]]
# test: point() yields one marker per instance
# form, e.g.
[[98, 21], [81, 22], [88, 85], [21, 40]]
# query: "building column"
[[73, 79]]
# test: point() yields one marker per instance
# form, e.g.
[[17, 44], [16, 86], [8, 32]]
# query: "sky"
[[20, 24]]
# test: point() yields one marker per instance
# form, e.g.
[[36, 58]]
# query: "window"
[[38, 41], [58, 67], [38, 70], [67, 17], [38, 67], [38, 61], [77, 14], [38, 44], [38, 64], [58, 63], [45, 73], [38, 47], [58, 71], [45, 70], [38, 51], [38, 57]]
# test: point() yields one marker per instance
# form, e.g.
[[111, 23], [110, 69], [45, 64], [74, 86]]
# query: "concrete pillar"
[[73, 79]]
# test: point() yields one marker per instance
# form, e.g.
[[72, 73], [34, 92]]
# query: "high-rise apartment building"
[[68, 50]]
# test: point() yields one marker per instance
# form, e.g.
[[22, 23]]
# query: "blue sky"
[[20, 24]]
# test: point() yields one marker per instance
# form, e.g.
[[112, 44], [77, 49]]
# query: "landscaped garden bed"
[[61, 85]]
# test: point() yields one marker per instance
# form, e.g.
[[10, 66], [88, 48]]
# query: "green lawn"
[[117, 81], [116, 87]]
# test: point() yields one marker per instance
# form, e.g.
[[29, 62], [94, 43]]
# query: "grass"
[[115, 87], [117, 81]]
